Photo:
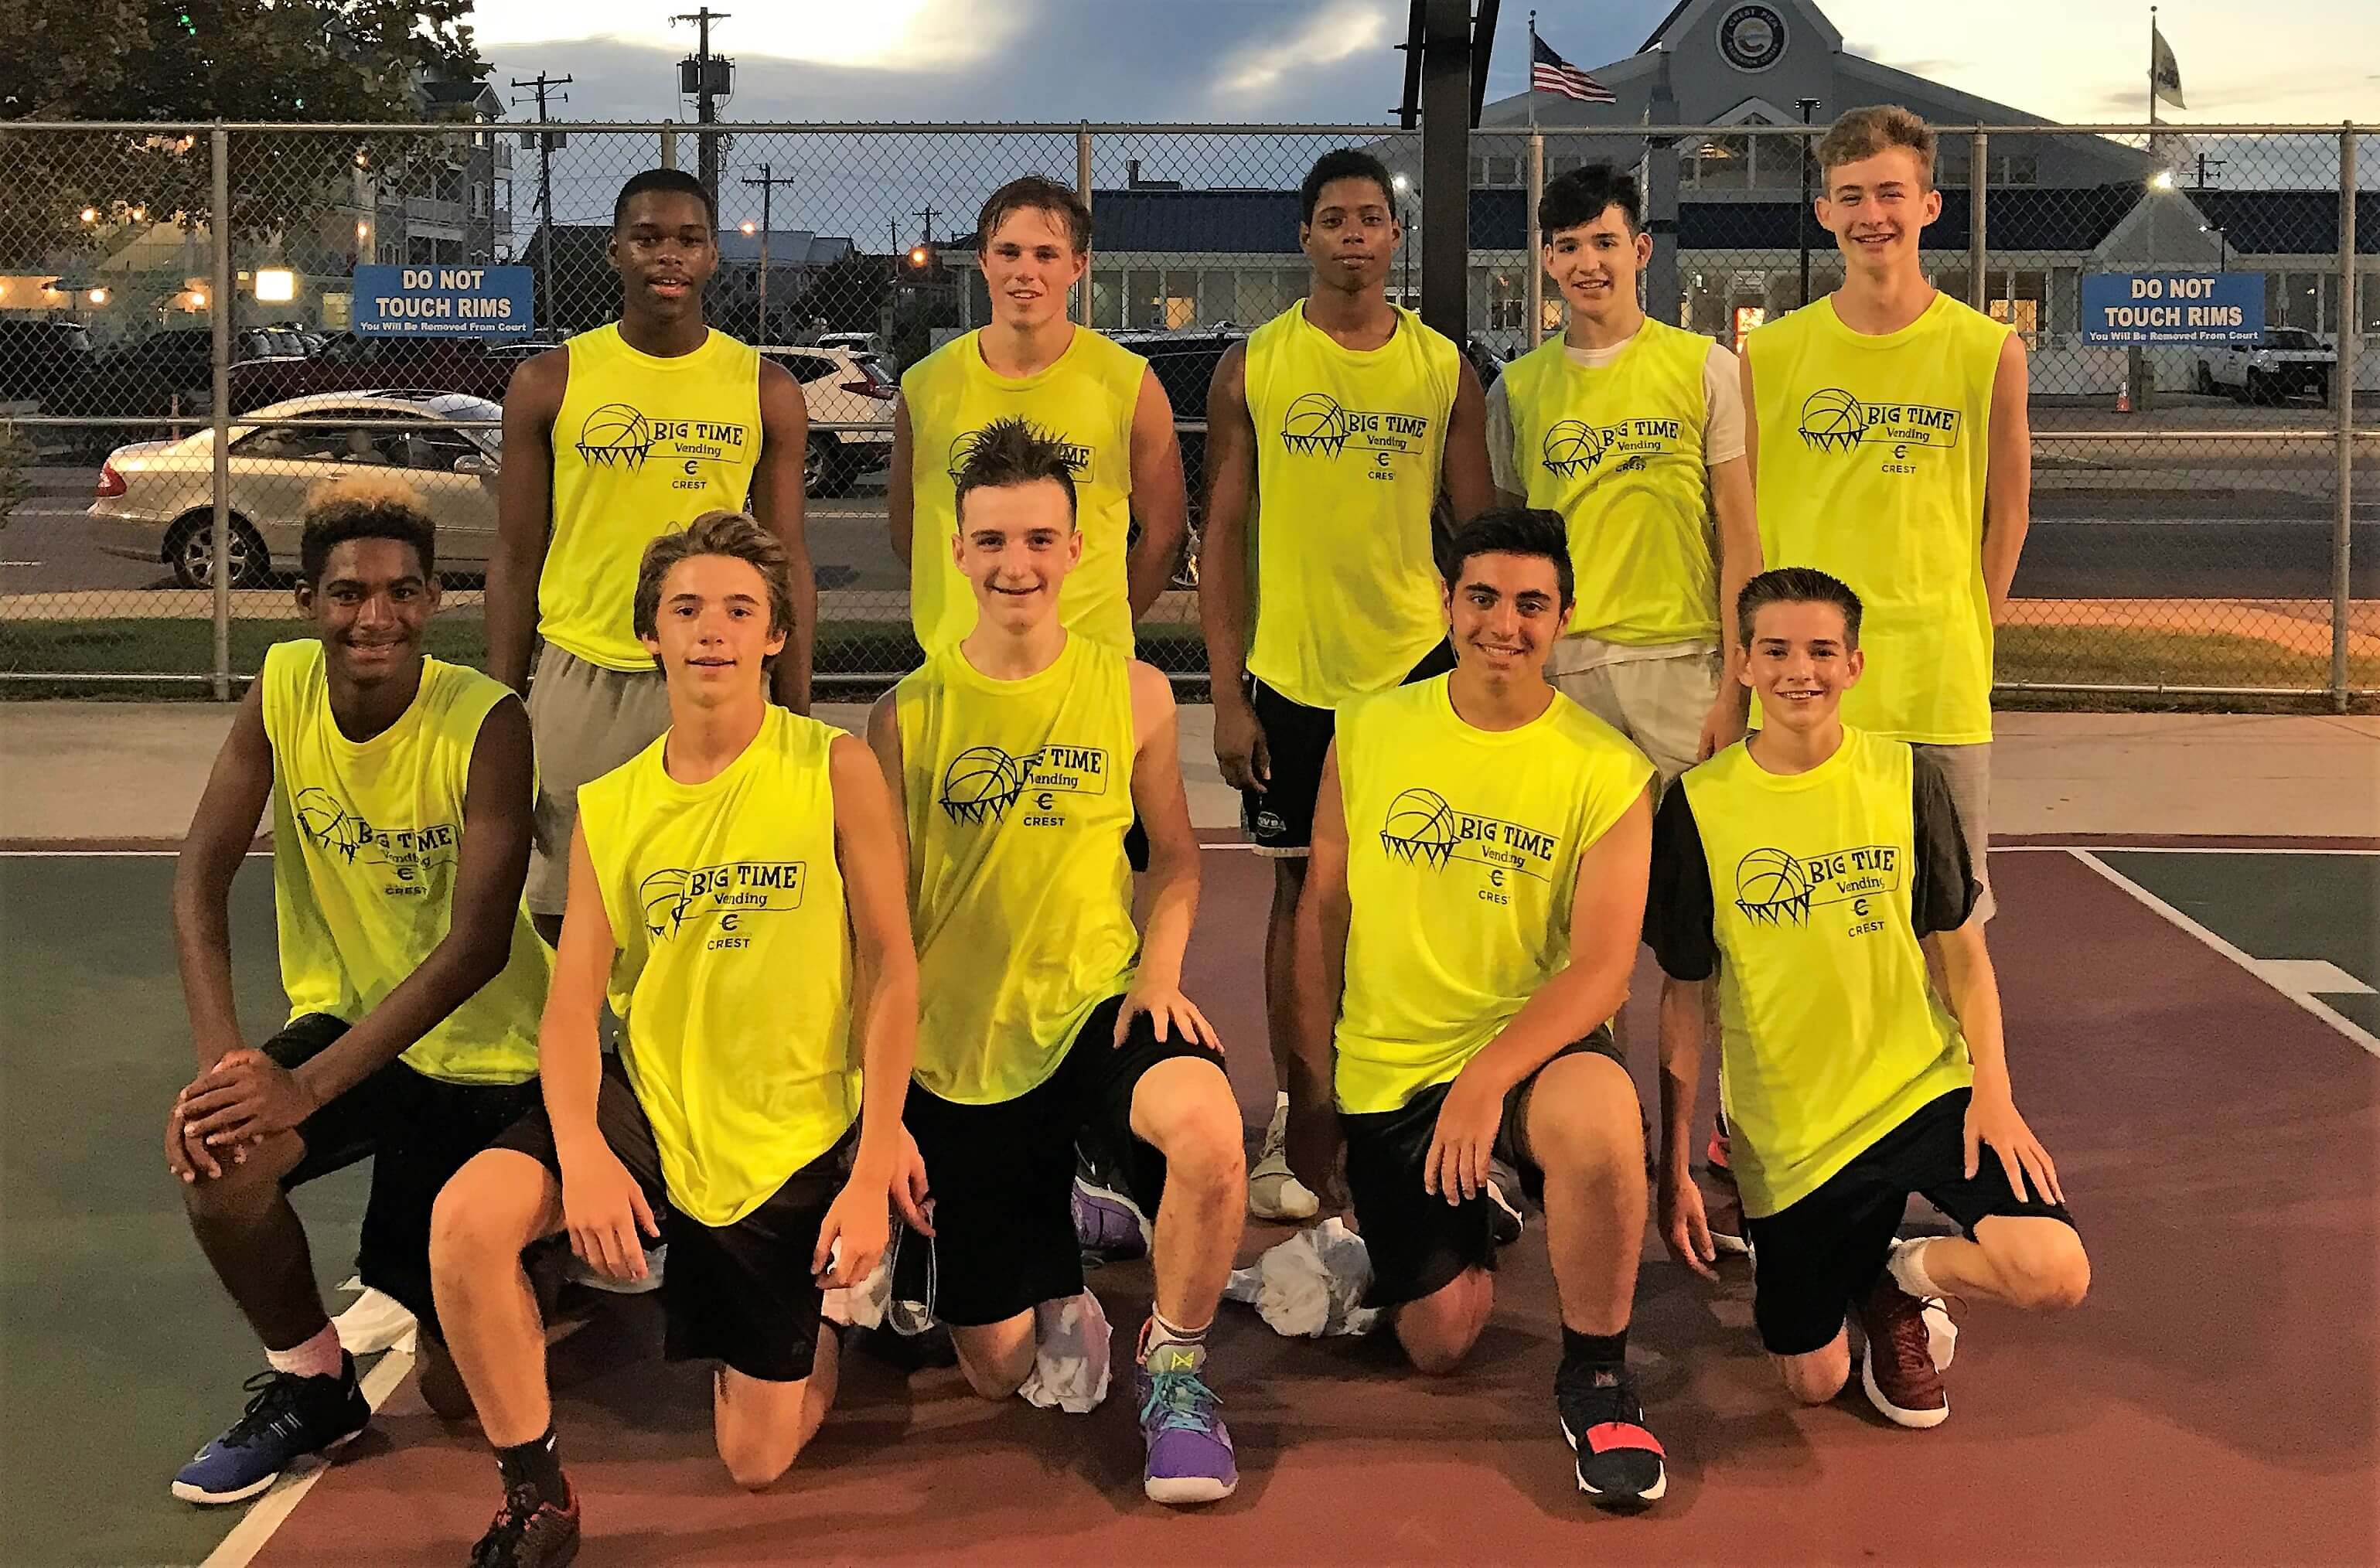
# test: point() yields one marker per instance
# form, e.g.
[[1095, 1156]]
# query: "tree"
[[195, 60], [849, 296]]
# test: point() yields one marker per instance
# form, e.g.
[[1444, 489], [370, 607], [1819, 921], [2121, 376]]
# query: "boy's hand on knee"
[[243, 1099], [1456, 1166], [1992, 1119], [186, 1155]]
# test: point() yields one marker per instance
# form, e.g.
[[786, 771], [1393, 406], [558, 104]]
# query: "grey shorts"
[[1968, 771], [585, 720], [1657, 703]]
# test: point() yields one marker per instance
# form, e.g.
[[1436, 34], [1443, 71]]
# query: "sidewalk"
[[131, 772]]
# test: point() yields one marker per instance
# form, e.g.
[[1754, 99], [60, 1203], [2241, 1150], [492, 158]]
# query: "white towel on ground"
[[1071, 1355], [1311, 1285]]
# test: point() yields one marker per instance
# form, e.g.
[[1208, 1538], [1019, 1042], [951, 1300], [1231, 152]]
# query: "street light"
[[1403, 184], [746, 225], [2222, 246], [2161, 180]]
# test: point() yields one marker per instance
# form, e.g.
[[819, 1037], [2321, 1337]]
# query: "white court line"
[[268, 1512], [2160, 849], [2312, 1004]]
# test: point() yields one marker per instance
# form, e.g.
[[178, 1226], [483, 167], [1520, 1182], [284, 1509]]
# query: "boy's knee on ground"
[[1817, 1377], [1438, 1330], [756, 1460], [993, 1360]]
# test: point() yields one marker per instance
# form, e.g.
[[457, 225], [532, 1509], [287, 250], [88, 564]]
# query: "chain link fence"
[[171, 388]]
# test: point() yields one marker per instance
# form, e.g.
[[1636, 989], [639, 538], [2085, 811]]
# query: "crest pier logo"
[[1834, 421]]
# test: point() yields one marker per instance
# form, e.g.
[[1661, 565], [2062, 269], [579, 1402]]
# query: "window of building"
[[1105, 313], [1953, 164], [1217, 295], [1719, 162], [2020, 168]]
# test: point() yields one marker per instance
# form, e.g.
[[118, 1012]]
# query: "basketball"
[[1420, 818], [981, 775], [1573, 440], [663, 897], [615, 427], [1831, 412], [1315, 417], [1767, 876]]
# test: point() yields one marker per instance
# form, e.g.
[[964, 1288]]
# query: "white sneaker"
[[1274, 1193]]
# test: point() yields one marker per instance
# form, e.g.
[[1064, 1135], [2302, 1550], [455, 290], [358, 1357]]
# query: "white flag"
[[2165, 73]]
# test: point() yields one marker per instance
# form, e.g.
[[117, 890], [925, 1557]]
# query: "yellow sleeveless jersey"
[[732, 980], [642, 447], [1084, 399], [1462, 849], [1348, 451], [1873, 451], [1018, 796], [365, 839], [1617, 450], [1831, 1035]]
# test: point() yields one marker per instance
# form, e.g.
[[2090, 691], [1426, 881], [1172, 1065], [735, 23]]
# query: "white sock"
[[1909, 1268], [318, 1357], [1159, 1332]]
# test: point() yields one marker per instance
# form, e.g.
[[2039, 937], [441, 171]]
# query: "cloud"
[[885, 35], [1341, 30]]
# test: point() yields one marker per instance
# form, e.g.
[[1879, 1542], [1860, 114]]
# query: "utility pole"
[[2204, 163], [540, 84], [768, 183], [929, 214], [706, 97]]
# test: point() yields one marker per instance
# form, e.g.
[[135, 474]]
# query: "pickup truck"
[[2289, 361]]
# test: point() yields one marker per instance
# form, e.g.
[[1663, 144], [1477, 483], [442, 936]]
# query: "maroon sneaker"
[[1898, 1369], [530, 1530]]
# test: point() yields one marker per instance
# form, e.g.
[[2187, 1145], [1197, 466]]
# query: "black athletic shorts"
[[1418, 1243], [1281, 817], [1003, 1174], [416, 1131], [742, 1293], [1816, 1257]]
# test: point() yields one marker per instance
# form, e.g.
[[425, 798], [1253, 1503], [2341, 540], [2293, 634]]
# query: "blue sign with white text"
[[2173, 309], [435, 301]]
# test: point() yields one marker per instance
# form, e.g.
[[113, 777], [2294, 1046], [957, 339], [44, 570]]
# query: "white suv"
[[849, 399]]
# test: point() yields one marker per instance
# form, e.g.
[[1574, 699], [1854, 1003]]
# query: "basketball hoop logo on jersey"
[[1079, 457], [1572, 447], [408, 853], [1834, 421], [726, 892], [1318, 425], [1422, 827], [1773, 887], [620, 435], [984, 782]]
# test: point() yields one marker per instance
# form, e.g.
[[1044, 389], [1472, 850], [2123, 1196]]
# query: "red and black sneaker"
[[530, 1530], [1620, 1465], [1898, 1369]]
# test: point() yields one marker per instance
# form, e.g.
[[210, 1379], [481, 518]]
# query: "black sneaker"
[[530, 1530], [1620, 1463], [289, 1418]]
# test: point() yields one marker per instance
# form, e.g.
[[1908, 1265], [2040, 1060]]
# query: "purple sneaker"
[[1105, 1224], [1189, 1450]]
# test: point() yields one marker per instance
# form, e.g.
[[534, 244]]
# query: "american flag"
[[1548, 72]]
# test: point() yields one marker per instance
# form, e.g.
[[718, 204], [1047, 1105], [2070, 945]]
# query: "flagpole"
[[2153, 119], [1533, 70]]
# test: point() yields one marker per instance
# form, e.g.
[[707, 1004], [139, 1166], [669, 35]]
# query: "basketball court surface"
[[2194, 1031]]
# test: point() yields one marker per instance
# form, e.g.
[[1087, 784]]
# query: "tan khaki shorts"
[[585, 721], [1968, 771], [1658, 703]]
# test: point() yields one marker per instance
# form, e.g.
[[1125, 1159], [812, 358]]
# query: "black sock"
[[537, 1462], [1594, 1349]]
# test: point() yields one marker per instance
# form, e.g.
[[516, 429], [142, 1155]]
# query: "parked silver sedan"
[[156, 500]]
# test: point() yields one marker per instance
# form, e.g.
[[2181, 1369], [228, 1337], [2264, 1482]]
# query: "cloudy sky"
[[2299, 61]]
